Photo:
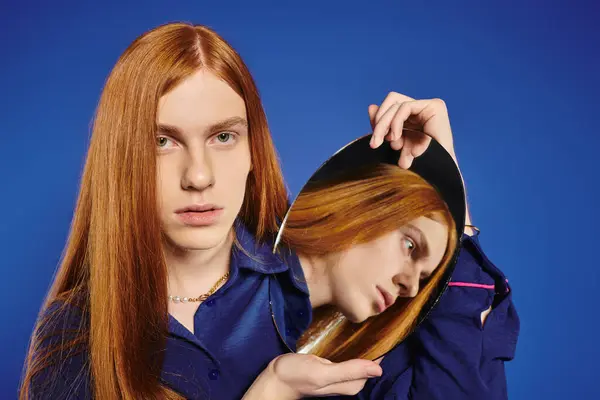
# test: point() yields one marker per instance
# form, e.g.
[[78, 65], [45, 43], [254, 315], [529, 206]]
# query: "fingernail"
[[373, 371]]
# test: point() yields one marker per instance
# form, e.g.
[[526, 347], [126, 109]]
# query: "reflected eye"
[[409, 244]]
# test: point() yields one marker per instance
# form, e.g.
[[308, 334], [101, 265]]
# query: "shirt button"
[[210, 303], [213, 375], [300, 313], [288, 331]]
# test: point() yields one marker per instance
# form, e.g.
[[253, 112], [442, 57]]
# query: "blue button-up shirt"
[[234, 339], [449, 356]]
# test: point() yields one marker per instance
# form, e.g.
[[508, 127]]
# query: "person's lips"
[[386, 299], [199, 214], [198, 208]]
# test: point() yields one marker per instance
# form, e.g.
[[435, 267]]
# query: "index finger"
[[350, 370], [389, 100]]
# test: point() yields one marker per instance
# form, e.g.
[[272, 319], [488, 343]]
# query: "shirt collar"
[[259, 257], [250, 254], [296, 273]]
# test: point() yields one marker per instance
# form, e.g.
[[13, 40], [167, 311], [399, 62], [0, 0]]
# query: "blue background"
[[520, 79]]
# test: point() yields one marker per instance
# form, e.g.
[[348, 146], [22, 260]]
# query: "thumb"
[[372, 113], [351, 370]]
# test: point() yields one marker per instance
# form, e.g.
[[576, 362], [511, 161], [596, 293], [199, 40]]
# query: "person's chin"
[[357, 316], [204, 238]]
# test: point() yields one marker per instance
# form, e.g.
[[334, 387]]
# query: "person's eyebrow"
[[228, 123], [421, 240], [164, 129], [225, 124]]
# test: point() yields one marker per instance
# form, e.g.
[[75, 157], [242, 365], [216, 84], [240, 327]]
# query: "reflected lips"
[[385, 300], [199, 215]]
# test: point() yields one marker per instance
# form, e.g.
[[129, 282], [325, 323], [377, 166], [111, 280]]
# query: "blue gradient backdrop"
[[520, 79]]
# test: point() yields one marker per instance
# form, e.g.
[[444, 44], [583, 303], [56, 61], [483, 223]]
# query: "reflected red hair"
[[331, 216], [113, 267]]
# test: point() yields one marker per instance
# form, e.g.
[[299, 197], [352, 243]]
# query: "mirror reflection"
[[375, 244]]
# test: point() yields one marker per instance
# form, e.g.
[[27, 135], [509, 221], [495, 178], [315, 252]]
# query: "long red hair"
[[113, 269], [352, 208]]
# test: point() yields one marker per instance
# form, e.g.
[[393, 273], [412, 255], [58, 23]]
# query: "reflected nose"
[[198, 174], [408, 283]]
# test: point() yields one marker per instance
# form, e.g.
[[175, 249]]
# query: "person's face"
[[203, 161], [368, 278]]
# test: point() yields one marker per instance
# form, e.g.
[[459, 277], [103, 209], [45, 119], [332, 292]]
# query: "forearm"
[[468, 223], [268, 387], [260, 389]]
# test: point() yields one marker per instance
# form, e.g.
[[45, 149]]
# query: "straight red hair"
[[356, 207], [113, 268]]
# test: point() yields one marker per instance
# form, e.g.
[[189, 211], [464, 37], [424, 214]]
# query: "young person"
[[153, 298]]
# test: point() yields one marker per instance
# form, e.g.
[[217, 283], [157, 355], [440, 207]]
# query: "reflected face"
[[203, 161], [369, 277]]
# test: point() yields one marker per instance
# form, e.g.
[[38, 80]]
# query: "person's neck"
[[193, 272], [317, 279]]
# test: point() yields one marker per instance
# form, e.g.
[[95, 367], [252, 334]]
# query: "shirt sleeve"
[[451, 355], [64, 375]]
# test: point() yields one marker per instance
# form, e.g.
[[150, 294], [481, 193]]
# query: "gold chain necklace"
[[177, 299]]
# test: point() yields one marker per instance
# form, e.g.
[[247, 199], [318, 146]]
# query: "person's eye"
[[163, 142], [409, 244], [225, 138]]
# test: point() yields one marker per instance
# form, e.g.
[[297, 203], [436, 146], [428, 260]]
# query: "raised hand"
[[399, 111]]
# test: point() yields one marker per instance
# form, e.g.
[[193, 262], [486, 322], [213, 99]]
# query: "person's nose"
[[198, 173], [407, 281]]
